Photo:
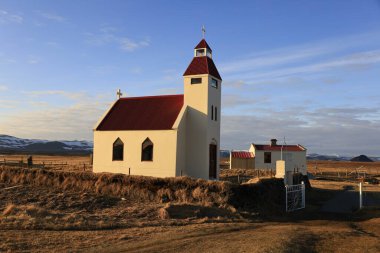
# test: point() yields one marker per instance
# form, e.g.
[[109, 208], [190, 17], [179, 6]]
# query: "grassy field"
[[60, 213], [343, 167]]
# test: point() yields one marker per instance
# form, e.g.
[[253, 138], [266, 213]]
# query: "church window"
[[147, 150], [118, 150], [212, 112], [200, 52], [216, 114], [196, 80], [214, 83], [267, 157]]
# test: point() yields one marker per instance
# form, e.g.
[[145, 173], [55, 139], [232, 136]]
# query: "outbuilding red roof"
[[242, 154], [202, 65], [203, 44], [143, 113], [278, 147]]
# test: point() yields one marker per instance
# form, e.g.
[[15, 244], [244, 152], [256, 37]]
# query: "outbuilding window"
[[118, 150], [267, 157], [147, 150]]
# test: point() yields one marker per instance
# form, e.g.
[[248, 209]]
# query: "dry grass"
[[342, 166], [58, 211], [137, 188], [148, 189]]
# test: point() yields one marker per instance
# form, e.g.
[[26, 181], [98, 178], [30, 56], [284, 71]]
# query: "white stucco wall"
[[201, 130], [164, 152], [293, 160]]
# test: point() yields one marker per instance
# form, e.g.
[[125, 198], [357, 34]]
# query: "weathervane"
[[203, 31], [118, 93]]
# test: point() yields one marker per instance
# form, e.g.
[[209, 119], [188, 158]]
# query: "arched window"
[[147, 150], [118, 150]]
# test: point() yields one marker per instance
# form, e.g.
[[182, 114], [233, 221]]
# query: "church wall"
[[196, 95], [181, 144], [196, 144], [213, 131], [164, 152], [201, 129], [197, 153]]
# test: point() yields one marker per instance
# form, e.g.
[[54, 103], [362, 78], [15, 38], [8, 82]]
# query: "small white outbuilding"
[[266, 156]]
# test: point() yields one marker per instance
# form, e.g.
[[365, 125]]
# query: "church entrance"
[[212, 164]]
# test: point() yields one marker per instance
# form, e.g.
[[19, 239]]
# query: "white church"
[[166, 136]]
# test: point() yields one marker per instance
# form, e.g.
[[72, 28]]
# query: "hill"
[[361, 158], [10, 144]]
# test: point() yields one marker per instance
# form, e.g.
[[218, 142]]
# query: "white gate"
[[295, 197]]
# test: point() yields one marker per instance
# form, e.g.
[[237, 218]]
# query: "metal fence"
[[295, 197]]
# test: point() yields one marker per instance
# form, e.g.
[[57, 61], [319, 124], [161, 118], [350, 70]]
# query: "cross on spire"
[[119, 94], [203, 31]]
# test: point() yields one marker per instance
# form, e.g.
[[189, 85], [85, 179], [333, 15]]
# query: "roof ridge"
[[154, 96]]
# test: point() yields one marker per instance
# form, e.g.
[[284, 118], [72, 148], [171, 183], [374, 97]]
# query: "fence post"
[[238, 179], [360, 196], [286, 198], [303, 194]]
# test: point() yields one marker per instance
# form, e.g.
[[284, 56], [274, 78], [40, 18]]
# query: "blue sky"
[[306, 70]]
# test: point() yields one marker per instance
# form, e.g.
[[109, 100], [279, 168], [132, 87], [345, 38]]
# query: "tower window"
[[147, 150], [196, 80], [216, 113], [214, 83], [212, 112], [267, 157], [200, 52], [118, 150]]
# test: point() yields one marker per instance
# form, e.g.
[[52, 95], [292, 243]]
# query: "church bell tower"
[[202, 96]]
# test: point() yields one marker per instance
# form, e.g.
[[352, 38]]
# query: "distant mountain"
[[11, 144], [327, 157], [339, 158], [361, 158]]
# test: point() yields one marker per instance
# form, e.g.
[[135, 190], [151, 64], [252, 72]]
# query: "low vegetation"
[[69, 210]]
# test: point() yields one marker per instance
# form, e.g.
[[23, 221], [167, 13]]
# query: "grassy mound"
[[265, 195]]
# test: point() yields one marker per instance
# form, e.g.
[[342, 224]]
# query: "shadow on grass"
[[315, 200]]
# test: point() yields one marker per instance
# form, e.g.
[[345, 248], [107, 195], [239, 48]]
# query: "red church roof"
[[278, 147], [202, 65], [203, 44], [143, 113]]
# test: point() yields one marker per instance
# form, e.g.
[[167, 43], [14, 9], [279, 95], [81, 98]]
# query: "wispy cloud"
[[329, 130], [50, 121], [66, 94], [33, 59], [7, 18], [356, 52], [354, 61], [3, 88], [129, 45], [108, 35], [51, 16], [8, 104]]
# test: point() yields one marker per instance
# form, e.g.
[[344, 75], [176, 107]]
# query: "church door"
[[212, 164]]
